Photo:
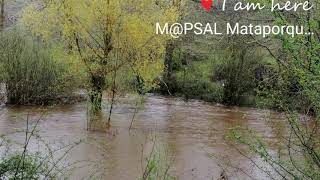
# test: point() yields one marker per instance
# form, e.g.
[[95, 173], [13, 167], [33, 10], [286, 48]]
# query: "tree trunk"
[[97, 86], [168, 60], [169, 81], [2, 16]]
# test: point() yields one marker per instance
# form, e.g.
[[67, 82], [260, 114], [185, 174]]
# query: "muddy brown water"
[[191, 133]]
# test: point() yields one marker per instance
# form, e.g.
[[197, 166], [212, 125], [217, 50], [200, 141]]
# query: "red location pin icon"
[[206, 4]]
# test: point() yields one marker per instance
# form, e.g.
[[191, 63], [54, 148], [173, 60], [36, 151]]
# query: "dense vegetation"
[[30, 73], [294, 88]]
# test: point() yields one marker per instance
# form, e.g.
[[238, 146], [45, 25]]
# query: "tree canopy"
[[105, 34]]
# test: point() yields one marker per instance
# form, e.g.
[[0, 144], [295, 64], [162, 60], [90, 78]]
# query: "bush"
[[31, 168], [237, 70], [30, 74], [202, 89]]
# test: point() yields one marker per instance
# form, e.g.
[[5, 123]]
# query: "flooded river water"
[[193, 133]]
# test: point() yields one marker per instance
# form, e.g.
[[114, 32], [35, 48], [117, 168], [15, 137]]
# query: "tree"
[[299, 60], [168, 79], [97, 30]]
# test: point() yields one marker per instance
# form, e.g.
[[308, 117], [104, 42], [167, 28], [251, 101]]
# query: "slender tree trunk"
[[168, 79], [97, 86], [168, 60], [114, 83], [2, 16]]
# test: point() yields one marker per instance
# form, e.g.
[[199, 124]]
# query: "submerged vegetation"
[[158, 164], [18, 160]]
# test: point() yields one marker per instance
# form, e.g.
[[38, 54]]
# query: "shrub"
[[202, 89], [237, 71], [31, 168], [30, 73]]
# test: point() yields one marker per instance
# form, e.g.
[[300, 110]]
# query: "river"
[[193, 134]]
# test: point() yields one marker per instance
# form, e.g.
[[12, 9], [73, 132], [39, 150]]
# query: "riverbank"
[[75, 97]]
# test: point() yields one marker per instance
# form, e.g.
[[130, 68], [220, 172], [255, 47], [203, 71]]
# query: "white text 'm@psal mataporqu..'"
[[177, 30]]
